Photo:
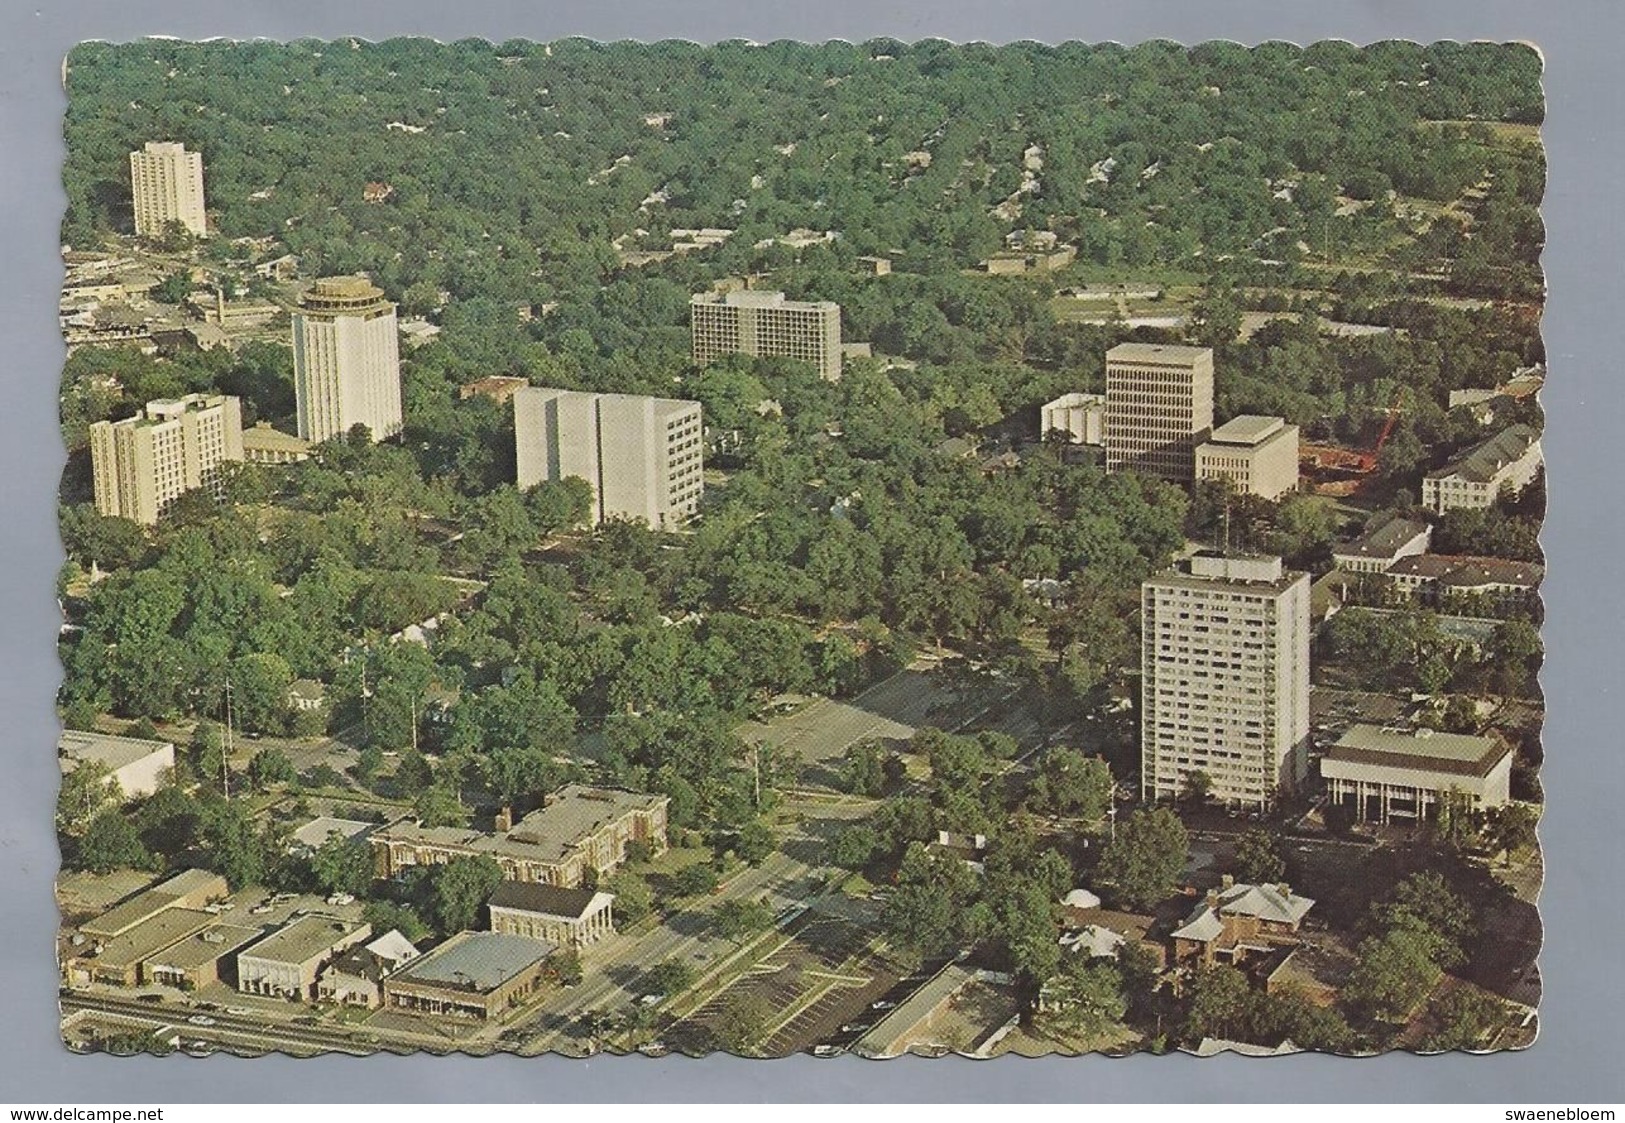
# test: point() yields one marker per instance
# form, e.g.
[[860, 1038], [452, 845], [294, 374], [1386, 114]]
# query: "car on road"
[[341, 899], [199, 1049], [240, 1011], [654, 1048], [149, 998], [882, 1004], [651, 1000], [200, 1020], [828, 1050], [856, 1027], [260, 910]]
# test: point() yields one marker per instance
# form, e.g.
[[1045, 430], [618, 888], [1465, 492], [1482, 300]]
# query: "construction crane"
[[1368, 460]]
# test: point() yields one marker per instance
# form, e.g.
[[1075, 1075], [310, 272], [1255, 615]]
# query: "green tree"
[[259, 692], [855, 847], [1465, 1018], [459, 889], [270, 766], [1144, 862], [1393, 973], [742, 1021], [1258, 857], [343, 865], [1069, 783], [1221, 1004], [1086, 997], [110, 842], [634, 900], [386, 916], [439, 805], [669, 977], [755, 842], [739, 920], [86, 790]]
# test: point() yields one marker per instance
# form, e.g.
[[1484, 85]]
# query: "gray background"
[[1575, 1058]]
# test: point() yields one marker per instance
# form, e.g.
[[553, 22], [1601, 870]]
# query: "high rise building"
[[166, 185], [141, 464], [1159, 405], [1225, 679], [749, 322], [642, 456], [346, 360]]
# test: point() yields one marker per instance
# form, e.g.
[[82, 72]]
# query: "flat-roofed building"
[[1258, 455], [286, 963], [1159, 406], [166, 185], [579, 828], [117, 960], [500, 388], [189, 889], [1379, 547], [567, 917], [643, 457], [1082, 417], [1225, 679], [1476, 478], [472, 975], [201, 959], [138, 766], [346, 360], [754, 322], [265, 445], [142, 464], [1387, 773]]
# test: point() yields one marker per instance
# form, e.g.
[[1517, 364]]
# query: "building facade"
[[1159, 406], [166, 185], [1475, 479], [472, 975], [287, 962], [643, 457], [1258, 455], [579, 828], [1225, 679], [1404, 774], [346, 360], [567, 917], [1378, 548], [1082, 417], [752, 322], [142, 464]]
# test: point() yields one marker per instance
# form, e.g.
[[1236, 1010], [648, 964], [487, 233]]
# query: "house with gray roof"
[[1238, 919], [1475, 479]]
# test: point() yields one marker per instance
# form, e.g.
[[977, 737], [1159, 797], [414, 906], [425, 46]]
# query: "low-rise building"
[[189, 889], [118, 960], [356, 977], [1378, 547], [567, 917], [500, 388], [1258, 455], [324, 827], [265, 445], [1082, 417], [287, 962], [138, 766], [201, 959], [1475, 479], [577, 829], [875, 266], [1237, 920], [1473, 586], [472, 975], [1386, 773]]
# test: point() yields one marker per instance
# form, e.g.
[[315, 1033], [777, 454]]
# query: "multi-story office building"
[[141, 464], [166, 185], [1475, 479], [346, 360], [1159, 406], [1225, 679], [642, 456], [1082, 417], [1259, 455], [749, 322]]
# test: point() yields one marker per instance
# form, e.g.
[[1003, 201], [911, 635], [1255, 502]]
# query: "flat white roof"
[[1248, 429], [115, 752]]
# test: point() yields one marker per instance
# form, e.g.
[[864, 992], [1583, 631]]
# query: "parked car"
[[201, 1020], [827, 1050]]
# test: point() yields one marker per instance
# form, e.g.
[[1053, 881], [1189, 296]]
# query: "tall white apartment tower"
[[166, 185], [1225, 679], [346, 360], [642, 456], [1159, 406], [141, 464], [749, 322]]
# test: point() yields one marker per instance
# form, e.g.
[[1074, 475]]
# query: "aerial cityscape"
[[849, 549]]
